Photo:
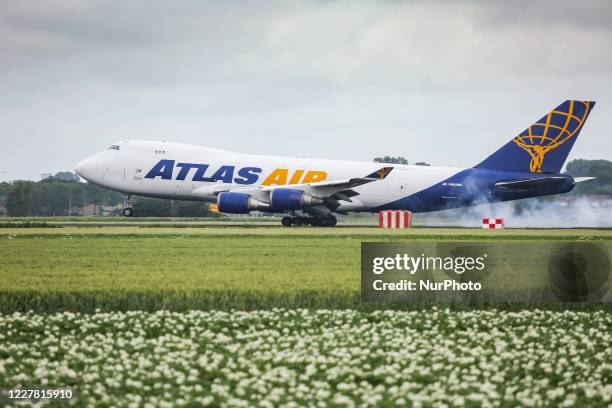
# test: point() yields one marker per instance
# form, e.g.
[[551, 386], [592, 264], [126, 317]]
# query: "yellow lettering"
[[277, 177], [313, 176], [295, 179]]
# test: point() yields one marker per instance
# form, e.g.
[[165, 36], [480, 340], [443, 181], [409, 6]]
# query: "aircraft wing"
[[332, 191], [325, 188], [336, 190]]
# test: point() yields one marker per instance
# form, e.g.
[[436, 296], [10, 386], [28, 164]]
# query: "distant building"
[[66, 176], [92, 210], [89, 210], [75, 212]]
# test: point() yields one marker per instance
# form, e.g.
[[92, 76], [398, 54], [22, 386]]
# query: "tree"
[[66, 176], [99, 196], [55, 197], [42, 199], [392, 160], [4, 188], [152, 207], [76, 195], [600, 169], [19, 199], [191, 209]]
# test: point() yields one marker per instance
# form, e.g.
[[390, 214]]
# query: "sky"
[[446, 82]]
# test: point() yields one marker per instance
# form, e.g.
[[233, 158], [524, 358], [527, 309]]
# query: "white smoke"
[[557, 212]]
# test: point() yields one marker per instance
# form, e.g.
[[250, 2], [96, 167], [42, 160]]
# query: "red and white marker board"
[[394, 219], [492, 223]]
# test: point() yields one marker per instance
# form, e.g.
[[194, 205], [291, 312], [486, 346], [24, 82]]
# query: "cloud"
[[310, 78]]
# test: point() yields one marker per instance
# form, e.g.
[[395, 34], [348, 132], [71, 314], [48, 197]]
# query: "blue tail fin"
[[543, 146]]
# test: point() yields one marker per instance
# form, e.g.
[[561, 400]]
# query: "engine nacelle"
[[239, 203], [282, 199]]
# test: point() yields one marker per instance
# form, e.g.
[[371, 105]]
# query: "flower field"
[[314, 357]]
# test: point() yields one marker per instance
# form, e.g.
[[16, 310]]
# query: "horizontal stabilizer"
[[531, 184]]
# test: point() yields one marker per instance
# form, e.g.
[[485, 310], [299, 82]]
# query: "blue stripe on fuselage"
[[474, 186]]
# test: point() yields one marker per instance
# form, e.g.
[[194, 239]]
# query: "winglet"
[[380, 174]]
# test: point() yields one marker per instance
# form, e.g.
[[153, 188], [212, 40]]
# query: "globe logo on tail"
[[556, 128]]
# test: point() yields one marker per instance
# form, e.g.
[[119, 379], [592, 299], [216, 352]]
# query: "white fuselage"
[[129, 167]]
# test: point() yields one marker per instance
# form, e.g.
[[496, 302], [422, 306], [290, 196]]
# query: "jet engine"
[[239, 203], [282, 199]]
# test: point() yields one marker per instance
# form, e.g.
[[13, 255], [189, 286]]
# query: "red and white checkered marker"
[[394, 219], [492, 223]]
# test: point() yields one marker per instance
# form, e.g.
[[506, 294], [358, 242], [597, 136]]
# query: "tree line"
[[397, 160], [53, 196], [61, 194], [600, 169]]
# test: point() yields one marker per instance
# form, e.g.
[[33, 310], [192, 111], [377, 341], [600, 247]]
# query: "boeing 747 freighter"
[[313, 190]]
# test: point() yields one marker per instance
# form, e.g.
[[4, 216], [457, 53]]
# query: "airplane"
[[311, 191]]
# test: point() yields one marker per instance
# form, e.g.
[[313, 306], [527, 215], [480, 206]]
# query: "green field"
[[246, 315], [123, 268]]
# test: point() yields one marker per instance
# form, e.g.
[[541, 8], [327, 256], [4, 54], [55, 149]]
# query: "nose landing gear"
[[127, 211]]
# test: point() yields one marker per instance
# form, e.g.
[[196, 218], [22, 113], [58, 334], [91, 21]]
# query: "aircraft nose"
[[84, 168]]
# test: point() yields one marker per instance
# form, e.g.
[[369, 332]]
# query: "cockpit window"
[[114, 147]]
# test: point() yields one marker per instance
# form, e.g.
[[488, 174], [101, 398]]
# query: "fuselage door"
[[135, 174]]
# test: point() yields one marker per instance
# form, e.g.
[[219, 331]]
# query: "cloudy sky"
[[445, 82]]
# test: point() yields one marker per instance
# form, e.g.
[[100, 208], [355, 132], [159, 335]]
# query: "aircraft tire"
[[286, 221], [128, 212], [330, 221]]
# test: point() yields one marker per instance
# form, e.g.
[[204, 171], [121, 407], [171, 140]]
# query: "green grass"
[[226, 316], [224, 267]]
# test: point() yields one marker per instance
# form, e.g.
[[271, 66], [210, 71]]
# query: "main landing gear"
[[317, 221], [127, 211]]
